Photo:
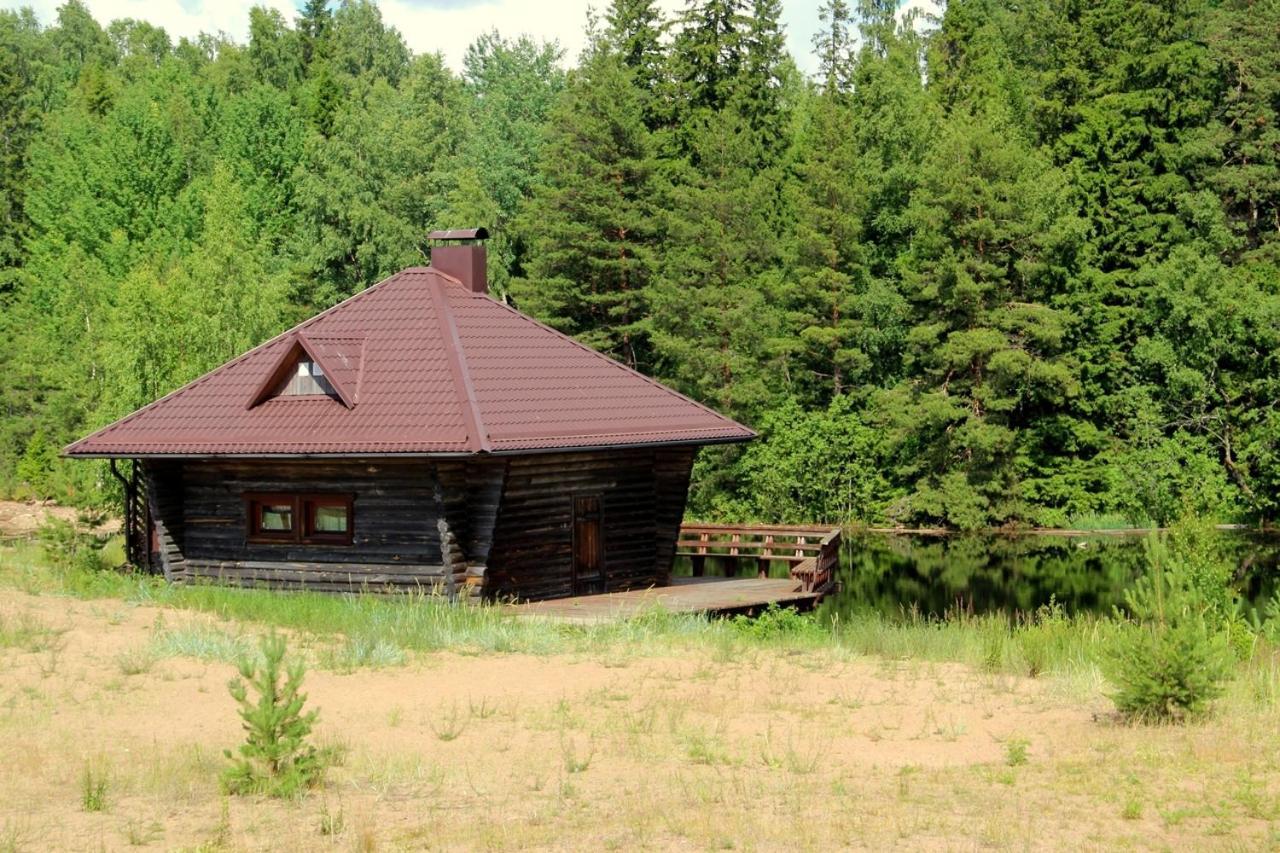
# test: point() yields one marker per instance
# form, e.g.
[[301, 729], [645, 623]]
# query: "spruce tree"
[[833, 44], [589, 227], [1244, 39], [635, 29], [711, 318]]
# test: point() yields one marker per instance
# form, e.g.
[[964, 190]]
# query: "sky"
[[447, 26]]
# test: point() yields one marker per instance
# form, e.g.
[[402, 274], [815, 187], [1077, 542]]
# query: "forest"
[[1015, 264]]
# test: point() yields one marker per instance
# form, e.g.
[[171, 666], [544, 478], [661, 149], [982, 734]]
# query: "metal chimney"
[[458, 252]]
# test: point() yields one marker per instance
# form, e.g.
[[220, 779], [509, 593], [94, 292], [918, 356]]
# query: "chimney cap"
[[460, 234]]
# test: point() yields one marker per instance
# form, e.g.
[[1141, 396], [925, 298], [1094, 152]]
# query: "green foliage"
[[1013, 266], [810, 466], [590, 222], [1173, 657], [276, 758], [777, 623], [68, 546], [1015, 752]]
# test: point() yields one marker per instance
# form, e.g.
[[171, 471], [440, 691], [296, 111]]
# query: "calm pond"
[[894, 574]]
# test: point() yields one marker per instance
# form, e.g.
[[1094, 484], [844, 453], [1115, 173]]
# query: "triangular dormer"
[[314, 367]]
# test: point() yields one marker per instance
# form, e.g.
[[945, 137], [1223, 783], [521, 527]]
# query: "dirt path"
[[767, 751]]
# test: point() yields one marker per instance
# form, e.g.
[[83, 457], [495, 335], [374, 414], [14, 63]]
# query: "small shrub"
[[275, 758], [995, 639], [1169, 663], [93, 788], [776, 622], [1043, 638], [70, 548]]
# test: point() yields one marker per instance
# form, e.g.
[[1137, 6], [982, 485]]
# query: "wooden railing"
[[812, 552]]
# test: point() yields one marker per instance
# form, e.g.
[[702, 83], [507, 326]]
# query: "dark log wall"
[[396, 533], [163, 482], [492, 526], [481, 487], [672, 468], [642, 496]]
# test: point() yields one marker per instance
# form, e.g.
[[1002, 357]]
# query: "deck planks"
[[712, 596]]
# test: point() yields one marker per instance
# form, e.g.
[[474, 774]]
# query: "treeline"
[[1020, 264]]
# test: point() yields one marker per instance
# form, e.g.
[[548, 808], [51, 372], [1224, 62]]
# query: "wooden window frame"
[[303, 505], [254, 504], [308, 504]]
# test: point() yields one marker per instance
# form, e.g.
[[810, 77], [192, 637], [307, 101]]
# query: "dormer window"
[[309, 378], [311, 368]]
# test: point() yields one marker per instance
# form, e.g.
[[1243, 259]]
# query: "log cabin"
[[420, 435]]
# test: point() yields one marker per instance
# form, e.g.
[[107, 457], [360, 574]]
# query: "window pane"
[[308, 379], [330, 519], [276, 517]]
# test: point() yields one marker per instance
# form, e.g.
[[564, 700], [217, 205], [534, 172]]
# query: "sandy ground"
[[766, 751], [20, 519]]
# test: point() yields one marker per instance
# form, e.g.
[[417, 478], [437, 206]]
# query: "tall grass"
[[380, 630]]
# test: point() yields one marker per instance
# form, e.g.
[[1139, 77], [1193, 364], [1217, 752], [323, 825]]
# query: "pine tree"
[[275, 758], [986, 350]]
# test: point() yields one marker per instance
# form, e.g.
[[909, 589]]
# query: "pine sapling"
[[276, 758]]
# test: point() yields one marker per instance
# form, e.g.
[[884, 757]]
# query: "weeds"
[[573, 759], [361, 653], [136, 661], [139, 834], [27, 633], [331, 823], [203, 642], [1015, 751], [93, 787], [451, 724]]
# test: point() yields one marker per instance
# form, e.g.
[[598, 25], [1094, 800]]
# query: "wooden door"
[[588, 546]]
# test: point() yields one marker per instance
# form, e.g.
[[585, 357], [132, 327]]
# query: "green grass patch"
[[370, 630], [201, 641]]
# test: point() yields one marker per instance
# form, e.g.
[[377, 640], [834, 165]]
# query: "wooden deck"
[[712, 596]]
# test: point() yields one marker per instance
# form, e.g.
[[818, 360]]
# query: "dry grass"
[[706, 747]]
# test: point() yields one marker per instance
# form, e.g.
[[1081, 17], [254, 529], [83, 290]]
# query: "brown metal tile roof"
[[424, 366]]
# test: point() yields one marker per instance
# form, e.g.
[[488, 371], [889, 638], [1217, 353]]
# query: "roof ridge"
[[457, 360], [238, 359]]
